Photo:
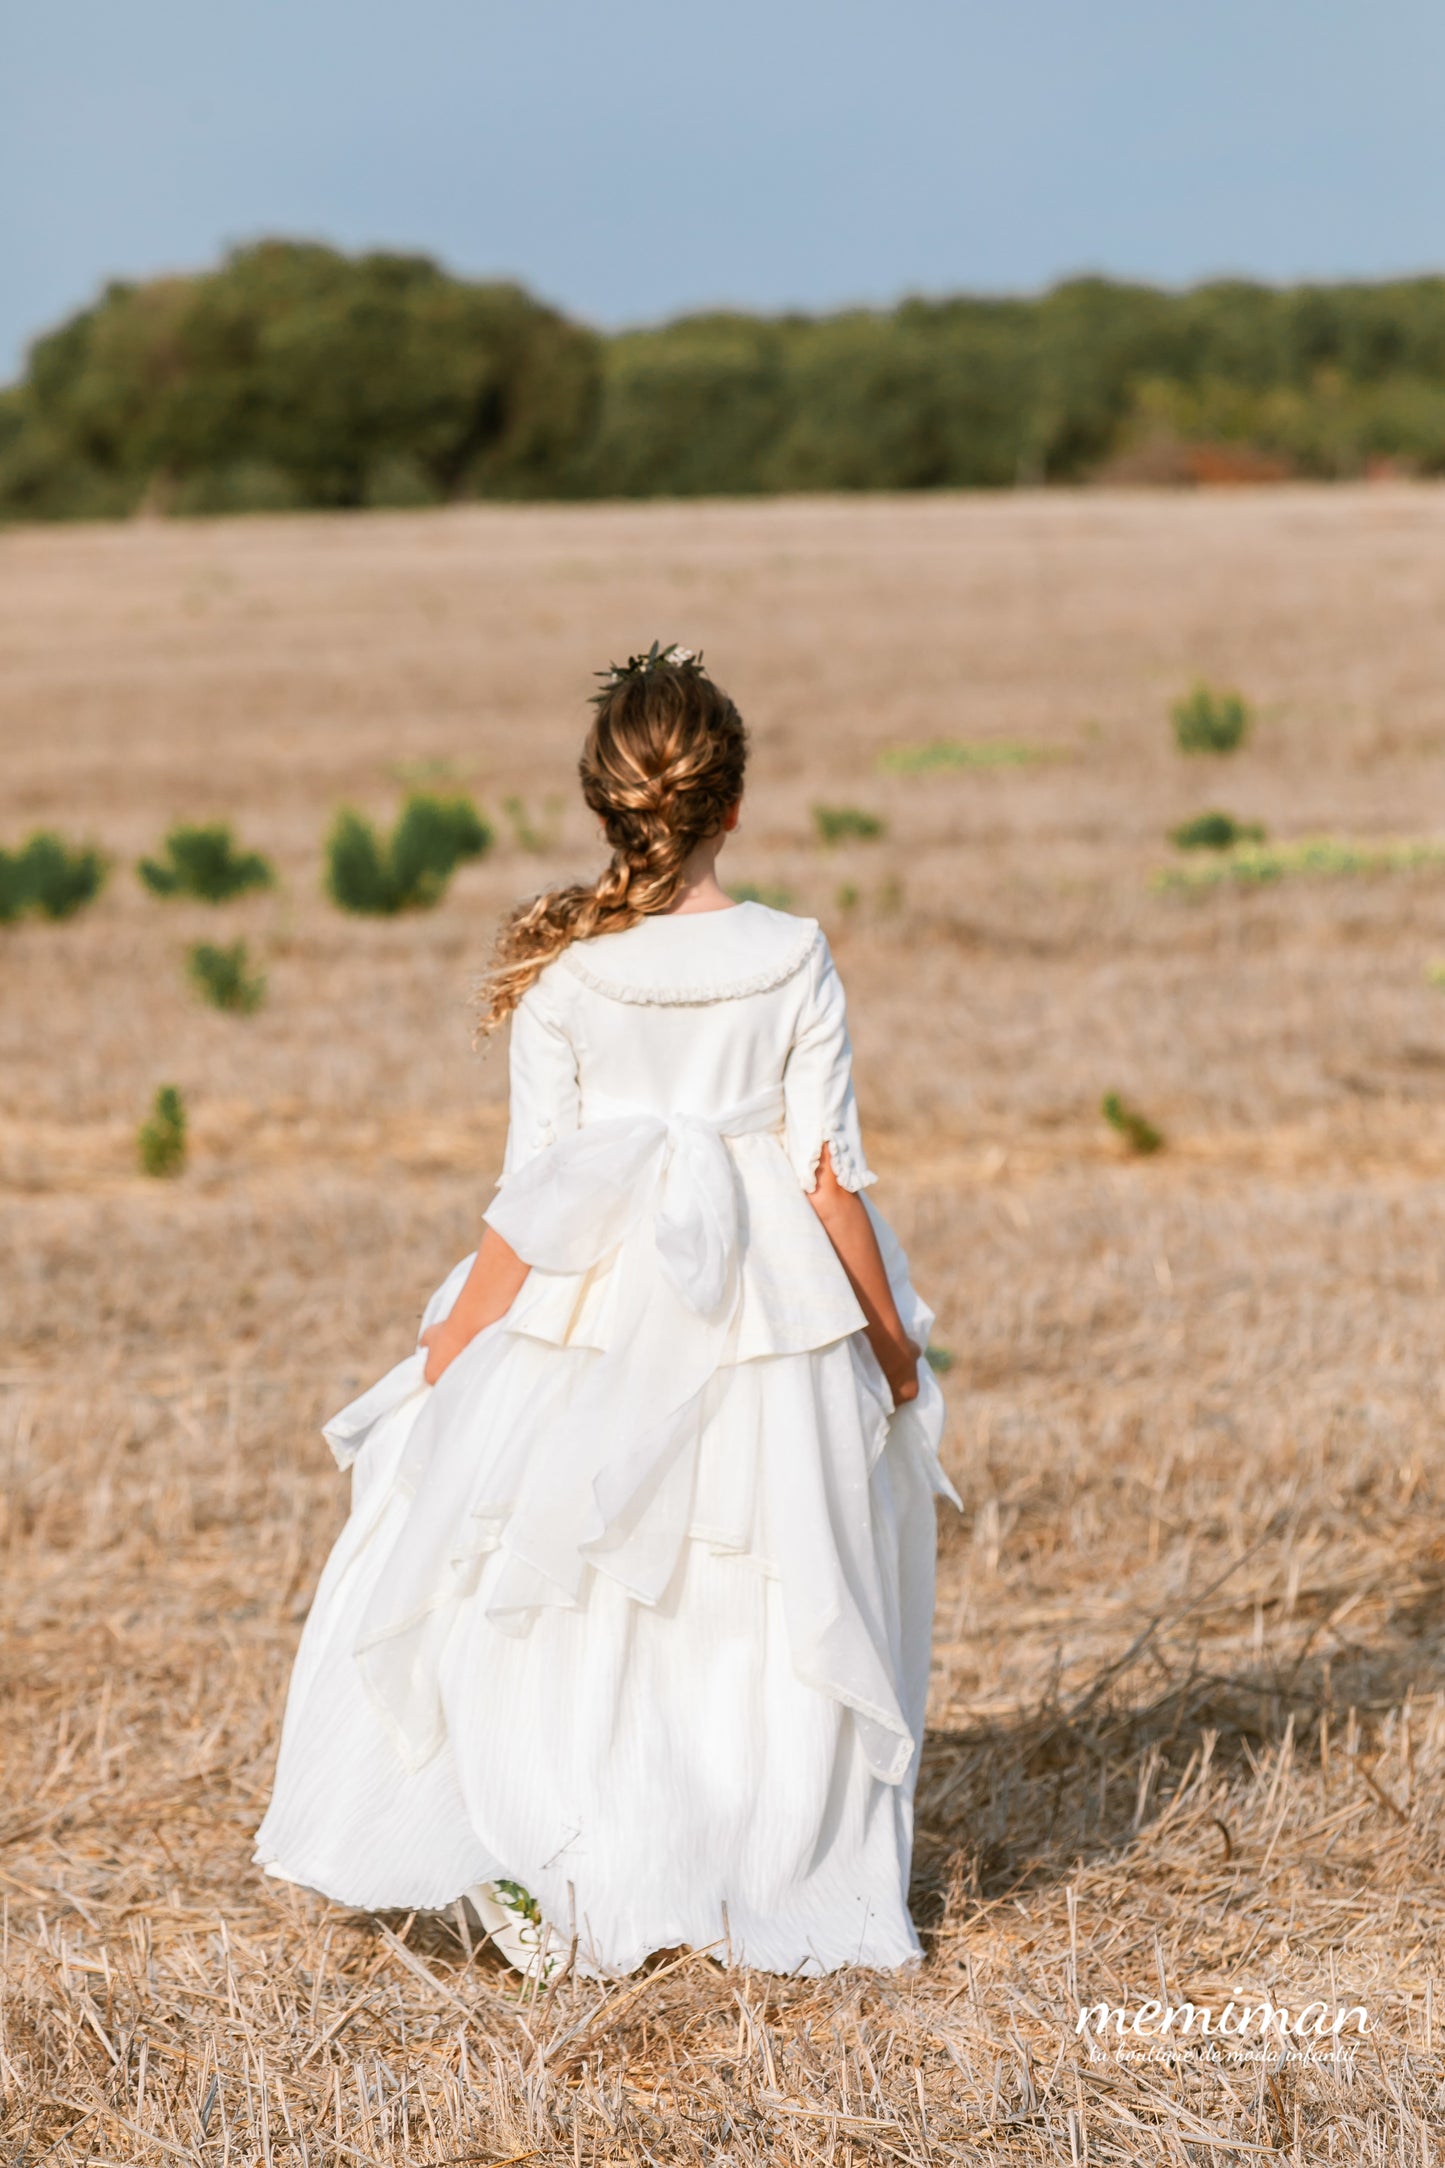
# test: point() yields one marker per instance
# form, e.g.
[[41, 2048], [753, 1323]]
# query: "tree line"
[[295, 376]]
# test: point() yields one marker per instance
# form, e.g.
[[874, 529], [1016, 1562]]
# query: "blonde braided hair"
[[662, 767]]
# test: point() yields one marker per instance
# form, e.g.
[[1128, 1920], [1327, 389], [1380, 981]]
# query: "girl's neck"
[[699, 890]]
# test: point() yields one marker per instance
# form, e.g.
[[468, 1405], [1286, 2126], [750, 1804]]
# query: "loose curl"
[[662, 767]]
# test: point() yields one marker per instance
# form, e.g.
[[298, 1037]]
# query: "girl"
[[626, 1639]]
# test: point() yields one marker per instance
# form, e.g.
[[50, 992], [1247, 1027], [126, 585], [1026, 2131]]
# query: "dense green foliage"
[[46, 876], [223, 977], [1208, 721], [408, 870], [161, 1141], [296, 376], [1214, 831], [204, 861], [293, 375]]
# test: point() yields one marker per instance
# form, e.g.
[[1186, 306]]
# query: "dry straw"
[[1201, 1812], [1185, 1733]]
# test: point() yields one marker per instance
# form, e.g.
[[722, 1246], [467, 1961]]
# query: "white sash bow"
[[586, 1195]]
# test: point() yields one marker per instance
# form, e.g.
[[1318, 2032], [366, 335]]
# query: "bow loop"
[[572, 1205]]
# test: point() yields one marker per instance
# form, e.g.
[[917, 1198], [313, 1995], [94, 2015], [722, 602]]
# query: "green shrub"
[[430, 841], [358, 874], [203, 861], [1215, 832], [49, 877], [161, 1141], [947, 753], [1208, 721], [409, 870], [1254, 865], [846, 824], [1135, 1128], [221, 977], [940, 1359]]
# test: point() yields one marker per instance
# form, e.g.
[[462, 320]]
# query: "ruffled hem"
[[762, 1944]]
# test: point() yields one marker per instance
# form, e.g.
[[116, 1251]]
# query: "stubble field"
[[1186, 1730]]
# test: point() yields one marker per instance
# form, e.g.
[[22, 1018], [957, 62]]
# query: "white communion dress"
[[633, 1606]]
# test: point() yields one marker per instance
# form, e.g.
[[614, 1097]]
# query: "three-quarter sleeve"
[[543, 1077], [819, 1106]]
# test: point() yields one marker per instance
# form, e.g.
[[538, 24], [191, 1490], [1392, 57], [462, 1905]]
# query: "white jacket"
[[729, 1019]]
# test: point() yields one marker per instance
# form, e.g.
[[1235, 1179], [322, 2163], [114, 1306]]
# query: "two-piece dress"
[[633, 1606]]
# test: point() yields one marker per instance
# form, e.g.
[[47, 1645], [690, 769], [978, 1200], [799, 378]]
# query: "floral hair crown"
[[673, 656]]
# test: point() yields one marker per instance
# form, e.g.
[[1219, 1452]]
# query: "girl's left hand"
[[441, 1351], [900, 1368]]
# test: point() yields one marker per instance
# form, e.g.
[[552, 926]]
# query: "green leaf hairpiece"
[[673, 656]]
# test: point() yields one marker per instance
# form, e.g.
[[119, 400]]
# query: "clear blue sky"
[[632, 158]]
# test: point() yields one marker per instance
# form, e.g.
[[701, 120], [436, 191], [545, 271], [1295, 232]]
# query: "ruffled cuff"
[[845, 1151]]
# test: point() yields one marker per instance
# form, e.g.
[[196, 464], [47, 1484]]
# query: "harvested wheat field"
[[1187, 1729]]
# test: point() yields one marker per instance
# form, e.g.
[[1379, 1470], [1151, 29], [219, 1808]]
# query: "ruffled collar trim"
[[712, 956]]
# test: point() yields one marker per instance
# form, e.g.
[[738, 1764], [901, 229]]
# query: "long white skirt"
[[699, 1769]]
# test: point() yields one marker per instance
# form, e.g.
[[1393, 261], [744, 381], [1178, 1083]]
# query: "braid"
[[661, 768]]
